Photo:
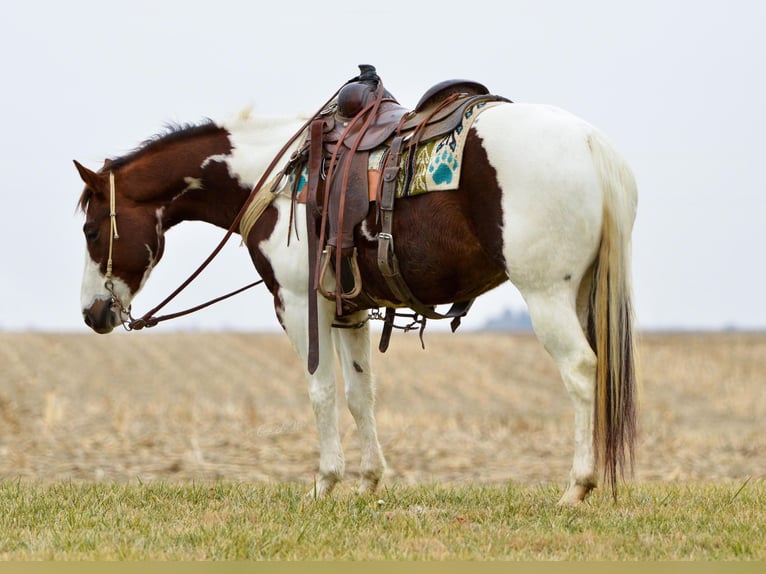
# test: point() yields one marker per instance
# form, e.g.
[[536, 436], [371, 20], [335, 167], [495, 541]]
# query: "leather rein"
[[148, 319]]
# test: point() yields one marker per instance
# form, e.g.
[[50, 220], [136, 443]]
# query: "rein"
[[149, 319]]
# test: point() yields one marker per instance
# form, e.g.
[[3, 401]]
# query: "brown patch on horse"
[[259, 233], [173, 134], [148, 167], [448, 243]]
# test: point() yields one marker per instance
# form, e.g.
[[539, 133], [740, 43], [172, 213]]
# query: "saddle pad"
[[437, 163], [435, 166]]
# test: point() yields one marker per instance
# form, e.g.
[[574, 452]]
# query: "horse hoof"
[[369, 484], [317, 493], [574, 495], [322, 488]]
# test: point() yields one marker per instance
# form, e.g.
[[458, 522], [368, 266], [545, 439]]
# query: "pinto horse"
[[543, 200]]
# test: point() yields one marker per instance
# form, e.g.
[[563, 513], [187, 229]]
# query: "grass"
[[236, 521]]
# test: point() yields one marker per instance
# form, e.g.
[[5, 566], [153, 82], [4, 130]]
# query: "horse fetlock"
[[370, 480], [325, 484], [576, 492]]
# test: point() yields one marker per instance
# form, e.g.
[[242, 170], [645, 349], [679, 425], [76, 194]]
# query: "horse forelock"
[[84, 200]]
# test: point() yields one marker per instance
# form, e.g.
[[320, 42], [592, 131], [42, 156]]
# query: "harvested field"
[[472, 408]]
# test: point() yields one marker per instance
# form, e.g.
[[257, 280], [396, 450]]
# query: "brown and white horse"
[[544, 200]]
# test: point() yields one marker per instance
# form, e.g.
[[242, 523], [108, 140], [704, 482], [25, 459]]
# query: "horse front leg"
[[353, 348], [321, 384]]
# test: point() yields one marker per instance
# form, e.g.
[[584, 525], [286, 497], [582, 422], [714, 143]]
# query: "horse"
[[544, 200]]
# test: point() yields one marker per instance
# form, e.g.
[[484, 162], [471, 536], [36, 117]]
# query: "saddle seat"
[[431, 115]]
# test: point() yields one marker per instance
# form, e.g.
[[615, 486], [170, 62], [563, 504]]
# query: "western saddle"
[[341, 188]]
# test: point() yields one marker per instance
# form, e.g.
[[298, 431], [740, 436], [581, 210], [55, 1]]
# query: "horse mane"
[[171, 133]]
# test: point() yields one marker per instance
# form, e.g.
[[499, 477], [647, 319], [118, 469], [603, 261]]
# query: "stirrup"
[[356, 274]]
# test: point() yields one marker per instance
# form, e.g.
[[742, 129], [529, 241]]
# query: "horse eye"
[[91, 233]]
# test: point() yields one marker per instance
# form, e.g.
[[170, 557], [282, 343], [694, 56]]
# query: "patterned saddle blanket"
[[432, 165]]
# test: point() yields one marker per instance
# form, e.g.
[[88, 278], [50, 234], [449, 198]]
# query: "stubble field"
[[472, 408], [202, 446]]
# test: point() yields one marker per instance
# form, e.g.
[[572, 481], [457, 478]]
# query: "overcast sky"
[[678, 87]]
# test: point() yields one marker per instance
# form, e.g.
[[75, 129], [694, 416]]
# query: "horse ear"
[[90, 177]]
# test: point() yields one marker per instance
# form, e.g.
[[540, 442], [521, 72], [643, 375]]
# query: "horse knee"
[[360, 395]]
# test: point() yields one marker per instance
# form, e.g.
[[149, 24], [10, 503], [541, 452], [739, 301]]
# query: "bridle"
[[114, 235], [148, 320]]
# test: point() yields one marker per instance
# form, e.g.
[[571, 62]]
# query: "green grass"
[[76, 521]]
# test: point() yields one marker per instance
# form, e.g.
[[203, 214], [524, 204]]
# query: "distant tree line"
[[509, 320]]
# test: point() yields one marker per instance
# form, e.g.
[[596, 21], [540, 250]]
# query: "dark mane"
[[171, 133]]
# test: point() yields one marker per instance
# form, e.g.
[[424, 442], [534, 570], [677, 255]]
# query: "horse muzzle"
[[100, 316]]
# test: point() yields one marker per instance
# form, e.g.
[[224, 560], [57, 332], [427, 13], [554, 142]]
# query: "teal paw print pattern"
[[444, 165]]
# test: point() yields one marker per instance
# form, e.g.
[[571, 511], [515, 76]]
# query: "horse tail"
[[611, 319]]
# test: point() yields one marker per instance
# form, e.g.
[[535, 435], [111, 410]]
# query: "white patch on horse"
[[213, 158], [158, 214], [93, 286], [152, 257], [366, 232], [148, 270], [255, 142], [192, 183]]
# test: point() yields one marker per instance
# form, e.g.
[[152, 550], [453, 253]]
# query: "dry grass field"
[[472, 408]]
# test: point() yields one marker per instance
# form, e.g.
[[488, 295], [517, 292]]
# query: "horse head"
[[129, 204], [124, 240]]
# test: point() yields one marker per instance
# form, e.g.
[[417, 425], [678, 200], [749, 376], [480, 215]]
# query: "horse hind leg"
[[557, 326], [353, 348]]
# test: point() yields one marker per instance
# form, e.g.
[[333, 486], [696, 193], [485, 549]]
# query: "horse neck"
[[223, 175]]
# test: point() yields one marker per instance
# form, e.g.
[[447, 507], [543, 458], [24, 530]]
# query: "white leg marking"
[[558, 328], [93, 286], [552, 209], [353, 346], [291, 272]]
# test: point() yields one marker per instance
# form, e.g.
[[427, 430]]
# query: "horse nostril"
[[99, 316]]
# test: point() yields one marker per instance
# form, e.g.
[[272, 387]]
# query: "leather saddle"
[[356, 127], [340, 189]]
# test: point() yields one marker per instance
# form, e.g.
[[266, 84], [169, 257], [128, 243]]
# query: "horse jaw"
[[97, 303]]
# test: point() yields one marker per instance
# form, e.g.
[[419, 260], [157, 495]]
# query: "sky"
[[678, 86]]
